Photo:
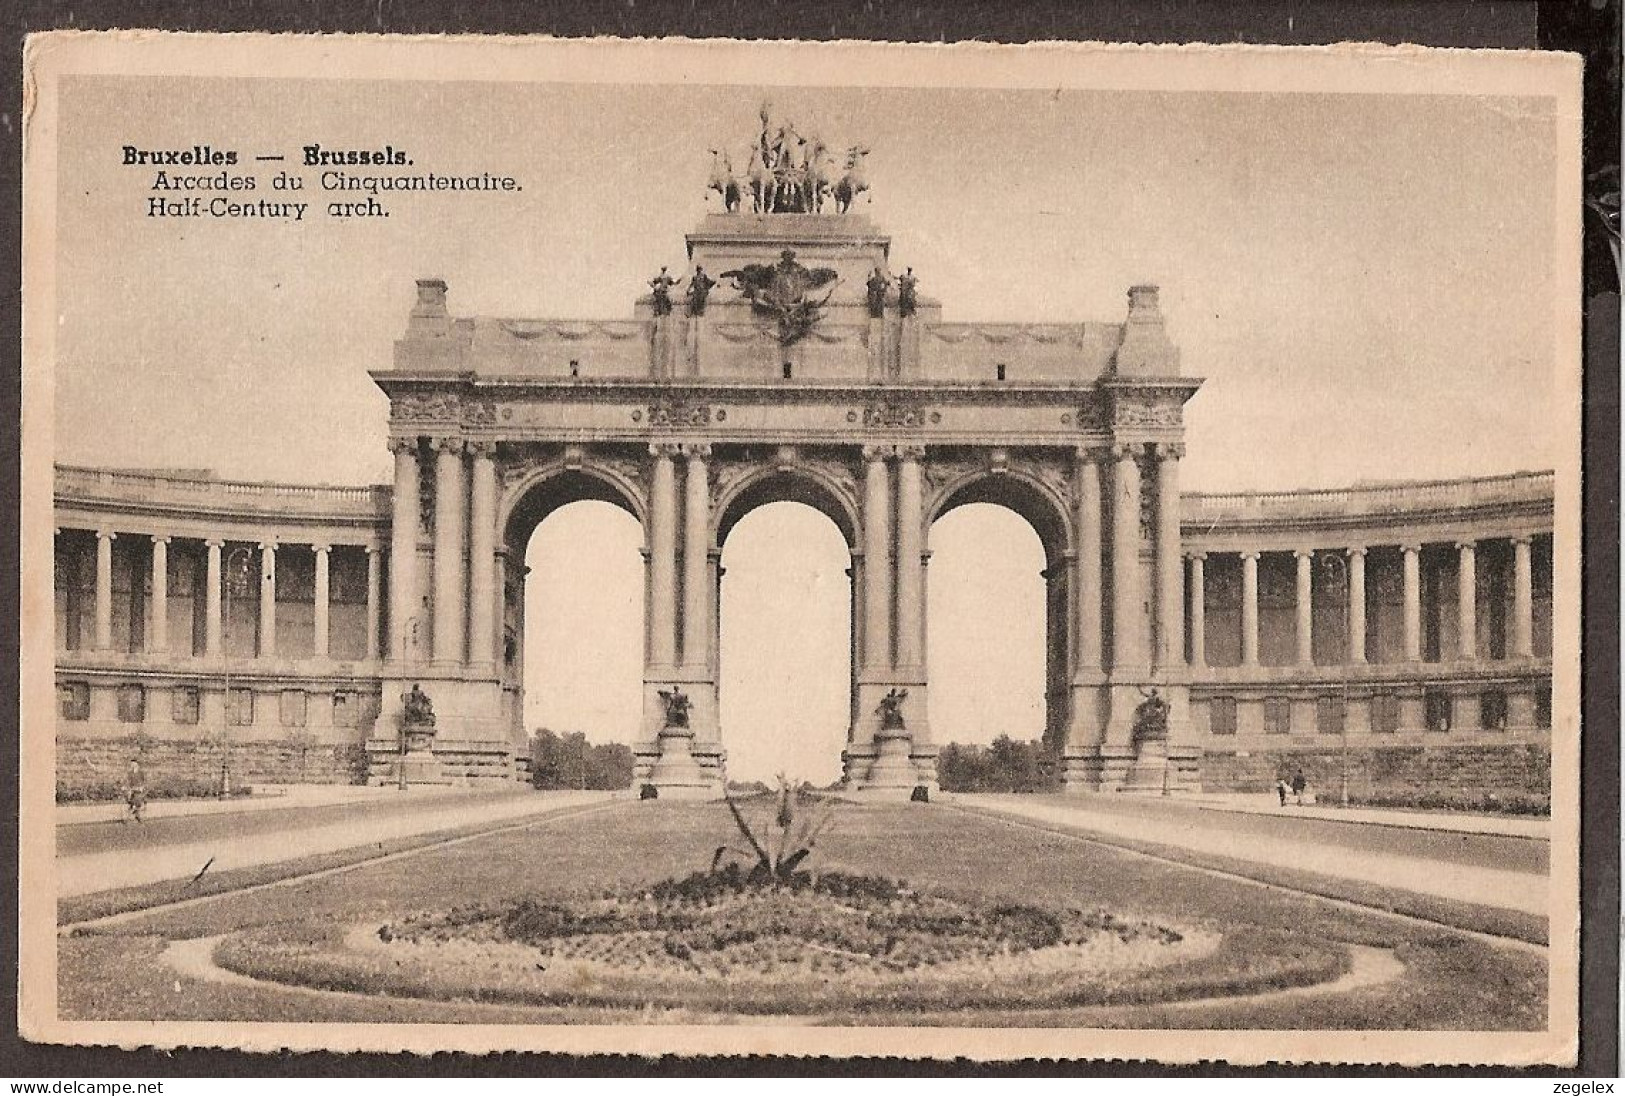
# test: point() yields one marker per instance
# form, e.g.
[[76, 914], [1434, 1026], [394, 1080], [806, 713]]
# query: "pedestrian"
[[1281, 789], [135, 790], [1298, 785]]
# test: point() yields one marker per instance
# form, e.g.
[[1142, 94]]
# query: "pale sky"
[[1364, 282]]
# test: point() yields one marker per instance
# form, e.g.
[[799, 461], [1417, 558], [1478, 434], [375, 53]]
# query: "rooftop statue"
[[789, 173], [661, 286]]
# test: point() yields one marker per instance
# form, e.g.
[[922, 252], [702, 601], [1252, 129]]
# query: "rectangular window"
[[1385, 713], [1330, 714], [73, 700], [1436, 710], [1277, 715], [345, 709], [293, 705], [1543, 704], [1221, 715], [132, 704], [1492, 710], [240, 707], [184, 704]]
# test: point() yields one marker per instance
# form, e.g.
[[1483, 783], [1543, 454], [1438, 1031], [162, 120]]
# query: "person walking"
[[1281, 788], [135, 790], [1298, 785]]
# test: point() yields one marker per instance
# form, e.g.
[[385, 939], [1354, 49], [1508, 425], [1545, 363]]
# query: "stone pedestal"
[[417, 763], [1149, 774], [675, 773]]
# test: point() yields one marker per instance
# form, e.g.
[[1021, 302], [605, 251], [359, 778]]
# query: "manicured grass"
[[1450, 981]]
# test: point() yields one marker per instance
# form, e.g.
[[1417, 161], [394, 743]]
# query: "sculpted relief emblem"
[[783, 292], [894, 415], [676, 412]]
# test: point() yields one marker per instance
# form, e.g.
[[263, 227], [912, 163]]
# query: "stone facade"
[[241, 616]]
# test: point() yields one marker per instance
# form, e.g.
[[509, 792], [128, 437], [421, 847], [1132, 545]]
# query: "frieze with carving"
[[1144, 415], [419, 407]]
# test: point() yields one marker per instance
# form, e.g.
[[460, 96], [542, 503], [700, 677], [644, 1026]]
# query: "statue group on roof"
[[789, 173]]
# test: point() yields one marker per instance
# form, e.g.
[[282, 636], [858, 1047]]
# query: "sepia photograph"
[[713, 547]]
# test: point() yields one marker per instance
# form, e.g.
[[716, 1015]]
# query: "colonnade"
[[156, 640], [1353, 562]]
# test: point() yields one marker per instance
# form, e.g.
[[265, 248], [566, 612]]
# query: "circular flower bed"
[[724, 941]]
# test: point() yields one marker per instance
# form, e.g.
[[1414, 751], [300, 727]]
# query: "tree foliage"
[[570, 761], [1005, 766]]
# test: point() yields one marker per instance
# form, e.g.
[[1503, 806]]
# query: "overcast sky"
[[1363, 280]]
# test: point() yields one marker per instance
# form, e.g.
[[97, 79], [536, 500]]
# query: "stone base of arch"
[[1101, 755], [474, 742], [889, 763], [673, 764]]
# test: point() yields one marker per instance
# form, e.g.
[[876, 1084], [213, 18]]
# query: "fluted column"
[[324, 554], [1523, 600], [403, 548], [910, 568], [1249, 608], [1128, 616], [1413, 601], [1087, 468], [1170, 562], [158, 623], [211, 599], [104, 588], [482, 531], [369, 649], [663, 557], [876, 564], [1305, 605], [267, 599], [1198, 609], [1467, 601], [696, 558], [1357, 605], [449, 530]]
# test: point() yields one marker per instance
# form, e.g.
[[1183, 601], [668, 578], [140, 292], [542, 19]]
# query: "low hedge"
[[159, 787], [1470, 801]]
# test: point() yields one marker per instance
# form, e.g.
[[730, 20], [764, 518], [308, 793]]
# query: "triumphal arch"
[[793, 360]]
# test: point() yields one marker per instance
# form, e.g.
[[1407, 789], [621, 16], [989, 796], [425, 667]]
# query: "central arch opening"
[[786, 655], [580, 655]]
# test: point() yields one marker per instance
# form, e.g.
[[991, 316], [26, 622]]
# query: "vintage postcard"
[[769, 548]]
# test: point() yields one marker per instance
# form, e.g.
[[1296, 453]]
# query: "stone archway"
[[822, 483], [1041, 506], [532, 496]]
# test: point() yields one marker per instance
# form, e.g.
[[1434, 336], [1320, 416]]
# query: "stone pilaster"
[[158, 622], [369, 650], [403, 550], [1523, 599], [1086, 468], [1467, 601], [1356, 558], [662, 557], [323, 599], [482, 530], [267, 599], [876, 559], [1170, 562], [910, 567], [1249, 608], [212, 642], [696, 558], [450, 492], [1305, 606], [1413, 601], [1198, 609], [104, 588], [1130, 656]]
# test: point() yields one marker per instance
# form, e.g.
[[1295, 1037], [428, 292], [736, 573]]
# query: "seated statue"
[[1151, 718], [416, 708], [677, 706], [891, 710]]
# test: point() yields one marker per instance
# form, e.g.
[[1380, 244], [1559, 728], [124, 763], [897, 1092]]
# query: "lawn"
[[1451, 980]]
